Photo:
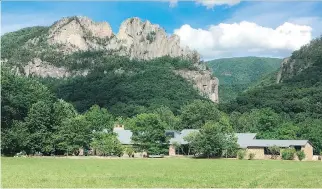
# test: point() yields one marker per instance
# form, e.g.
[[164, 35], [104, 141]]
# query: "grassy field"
[[91, 173]]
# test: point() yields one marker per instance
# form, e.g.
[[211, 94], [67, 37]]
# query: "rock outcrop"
[[136, 39], [203, 81], [283, 69], [44, 69]]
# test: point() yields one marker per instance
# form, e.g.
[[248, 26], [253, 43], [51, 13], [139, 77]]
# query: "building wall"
[[308, 150], [258, 151], [172, 150]]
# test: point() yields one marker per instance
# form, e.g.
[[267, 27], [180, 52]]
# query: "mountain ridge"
[[71, 45]]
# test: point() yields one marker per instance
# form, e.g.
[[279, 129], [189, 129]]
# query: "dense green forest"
[[238, 74], [127, 87]]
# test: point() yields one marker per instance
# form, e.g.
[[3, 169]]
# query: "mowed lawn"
[[171, 172]]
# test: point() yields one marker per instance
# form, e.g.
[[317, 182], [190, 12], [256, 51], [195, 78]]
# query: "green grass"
[[94, 173]]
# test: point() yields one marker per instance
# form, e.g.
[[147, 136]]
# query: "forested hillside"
[[237, 74], [127, 87], [297, 100]]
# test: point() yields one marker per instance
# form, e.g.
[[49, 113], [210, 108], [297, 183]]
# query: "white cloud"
[[274, 14], [245, 39], [208, 3], [211, 3], [173, 3]]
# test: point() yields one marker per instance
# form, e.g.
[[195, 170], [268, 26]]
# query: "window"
[[169, 134], [268, 152], [298, 148]]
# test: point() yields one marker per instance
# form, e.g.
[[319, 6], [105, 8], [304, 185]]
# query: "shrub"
[[275, 151], [251, 156], [300, 155], [241, 154], [129, 151], [288, 154]]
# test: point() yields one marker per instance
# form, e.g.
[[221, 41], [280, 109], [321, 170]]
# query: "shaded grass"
[[103, 173]]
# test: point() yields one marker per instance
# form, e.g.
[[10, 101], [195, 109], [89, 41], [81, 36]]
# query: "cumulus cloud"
[[211, 3], [245, 39], [208, 3], [173, 3]]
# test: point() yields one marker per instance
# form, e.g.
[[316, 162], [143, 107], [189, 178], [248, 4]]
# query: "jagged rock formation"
[[136, 39], [78, 33], [282, 69], [203, 81]]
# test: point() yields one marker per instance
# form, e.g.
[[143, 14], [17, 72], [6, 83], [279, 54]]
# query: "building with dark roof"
[[245, 141]]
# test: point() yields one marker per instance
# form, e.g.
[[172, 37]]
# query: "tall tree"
[[75, 134], [40, 130], [167, 116], [107, 144], [149, 133], [99, 118], [213, 139], [197, 113]]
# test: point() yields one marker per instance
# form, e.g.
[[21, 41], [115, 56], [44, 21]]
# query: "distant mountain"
[[137, 69], [237, 74]]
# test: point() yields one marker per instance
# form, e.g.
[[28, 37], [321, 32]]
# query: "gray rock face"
[[291, 67], [284, 68], [136, 39], [78, 33], [203, 81], [44, 69], [145, 40]]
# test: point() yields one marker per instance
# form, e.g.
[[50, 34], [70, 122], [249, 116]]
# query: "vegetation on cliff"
[[238, 74]]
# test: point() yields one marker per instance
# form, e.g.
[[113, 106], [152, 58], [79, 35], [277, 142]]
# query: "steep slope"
[[300, 60], [243, 70], [300, 89], [237, 74], [73, 46]]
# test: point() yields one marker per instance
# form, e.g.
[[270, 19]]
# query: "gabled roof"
[[124, 136], [243, 139]]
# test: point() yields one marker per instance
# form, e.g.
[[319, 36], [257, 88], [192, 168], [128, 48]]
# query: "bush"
[[300, 155], [275, 151], [251, 156], [241, 154], [288, 154], [129, 151]]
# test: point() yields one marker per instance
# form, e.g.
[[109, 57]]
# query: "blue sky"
[[215, 25]]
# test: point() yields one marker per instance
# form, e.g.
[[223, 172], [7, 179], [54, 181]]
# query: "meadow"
[[166, 172]]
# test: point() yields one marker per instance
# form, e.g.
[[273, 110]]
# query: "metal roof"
[[244, 140], [183, 133], [124, 136]]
